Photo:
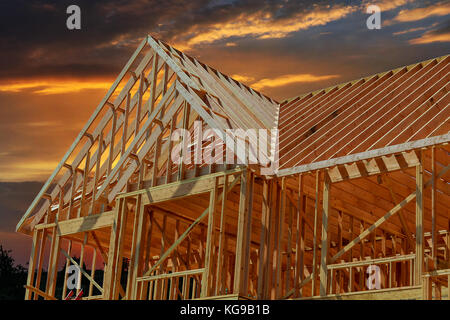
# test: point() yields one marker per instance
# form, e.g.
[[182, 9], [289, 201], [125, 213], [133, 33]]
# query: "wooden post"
[[53, 267], [316, 214], [274, 212], [85, 181], [136, 251], [269, 247], [279, 240], [125, 124], [112, 141], [248, 229], [220, 255], [42, 246], [427, 288], [117, 286], [433, 206], [339, 275], [32, 263], [83, 247], [300, 239], [139, 104], [52, 263], [69, 251], [146, 251], [169, 162], [242, 241], [207, 274], [97, 172], [324, 251], [419, 224], [94, 259], [351, 278], [181, 168], [153, 79], [110, 266], [362, 255], [263, 252], [288, 277]]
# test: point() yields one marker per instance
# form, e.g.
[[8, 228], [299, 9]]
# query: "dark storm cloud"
[[34, 40], [443, 28]]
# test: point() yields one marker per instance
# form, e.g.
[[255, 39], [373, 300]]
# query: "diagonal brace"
[[188, 230]]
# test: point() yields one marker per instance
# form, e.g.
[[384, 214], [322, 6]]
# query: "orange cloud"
[[242, 78], [265, 26], [414, 30], [48, 87], [386, 5], [441, 9], [34, 170], [431, 37], [290, 79]]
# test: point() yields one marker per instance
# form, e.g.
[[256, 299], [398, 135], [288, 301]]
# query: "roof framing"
[[169, 80]]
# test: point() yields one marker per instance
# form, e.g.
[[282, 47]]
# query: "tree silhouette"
[[12, 277]]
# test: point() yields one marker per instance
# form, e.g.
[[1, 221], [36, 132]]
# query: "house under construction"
[[352, 202]]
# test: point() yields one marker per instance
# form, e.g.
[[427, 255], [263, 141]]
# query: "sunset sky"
[[52, 78]]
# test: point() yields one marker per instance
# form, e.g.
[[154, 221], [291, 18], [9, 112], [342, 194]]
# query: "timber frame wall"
[[225, 231]]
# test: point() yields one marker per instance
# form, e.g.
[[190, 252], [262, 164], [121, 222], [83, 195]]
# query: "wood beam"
[[242, 240], [366, 232], [418, 270], [324, 249], [207, 274], [83, 224]]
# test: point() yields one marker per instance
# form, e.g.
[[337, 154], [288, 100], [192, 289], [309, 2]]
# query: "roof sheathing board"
[[406, 104]]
